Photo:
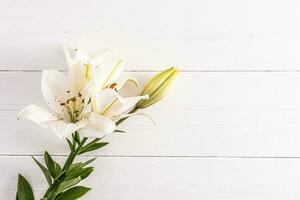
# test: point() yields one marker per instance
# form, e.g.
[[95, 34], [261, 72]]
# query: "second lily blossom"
[[86, 101]]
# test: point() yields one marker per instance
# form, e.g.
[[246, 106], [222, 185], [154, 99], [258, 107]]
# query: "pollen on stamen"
[[73, 99], [113, 85]]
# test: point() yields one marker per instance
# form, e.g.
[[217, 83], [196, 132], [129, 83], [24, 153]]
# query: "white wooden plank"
[[206, 114], [207, 34], [207, 179]]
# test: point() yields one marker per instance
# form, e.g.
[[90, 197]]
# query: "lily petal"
[[86, 97], [103, 99], [98, 126], [64, 130], [99, 59], [72, 127], [124, 106], [122, 81], [107, 69], [80, 56], [77, 75], [56, 89], [68, 56], [38, 115]]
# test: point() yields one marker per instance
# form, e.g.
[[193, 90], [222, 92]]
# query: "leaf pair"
[[53, 169], [92, 146], [79, 170], [73, 193], [73, 176], [75, 141]]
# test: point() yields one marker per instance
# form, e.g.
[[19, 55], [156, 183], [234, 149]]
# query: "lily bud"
[[157, 87]]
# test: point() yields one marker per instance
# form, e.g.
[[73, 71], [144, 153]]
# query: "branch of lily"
[[77, 147]]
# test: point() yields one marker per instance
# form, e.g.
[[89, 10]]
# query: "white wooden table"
[[230, 128]]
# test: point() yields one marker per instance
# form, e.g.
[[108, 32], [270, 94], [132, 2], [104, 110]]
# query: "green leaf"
[[74, 140], [24, 191], [88, 162], [58, 169], [75, 166], [45, 171], [92, 147], [70, 145], [86, 172], [60, 175], [73, 193], [77, 137], [53, 167], [67, 184], [82, 172], [93, 142]]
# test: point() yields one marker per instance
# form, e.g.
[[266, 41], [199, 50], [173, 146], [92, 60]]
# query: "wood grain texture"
[[172, 178], [196, 35], [208, 114], [228, 131]]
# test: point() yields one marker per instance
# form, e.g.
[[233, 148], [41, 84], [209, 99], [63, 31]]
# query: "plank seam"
[[183, 70], [154, 156]]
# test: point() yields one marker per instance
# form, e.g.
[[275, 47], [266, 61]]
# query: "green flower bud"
[[157, 87]]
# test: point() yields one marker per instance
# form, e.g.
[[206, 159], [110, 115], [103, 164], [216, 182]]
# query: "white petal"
[[114, 71], [122, 81], [68, 56], [124, 106], [56, 89], [102, 99], [72, 127], [74, 57], [80, 56], [58, 127], [64, 130], [37, 114], [76, 68], [108, 70], [99, 59], [77, 75], [98, 126], [86, 96]]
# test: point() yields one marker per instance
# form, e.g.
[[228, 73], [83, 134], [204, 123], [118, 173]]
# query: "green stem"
[[73, 155], [50, 193], [51, 190], [123, 119]]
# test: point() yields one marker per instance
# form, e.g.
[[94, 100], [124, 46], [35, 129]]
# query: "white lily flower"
[[107, 105], [94, 80], [104, 71], [68, 104], [69, 107]]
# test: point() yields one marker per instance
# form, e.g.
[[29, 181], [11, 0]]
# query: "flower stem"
[[75, 151], [73, 154], [123, 119], [50, 193]]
